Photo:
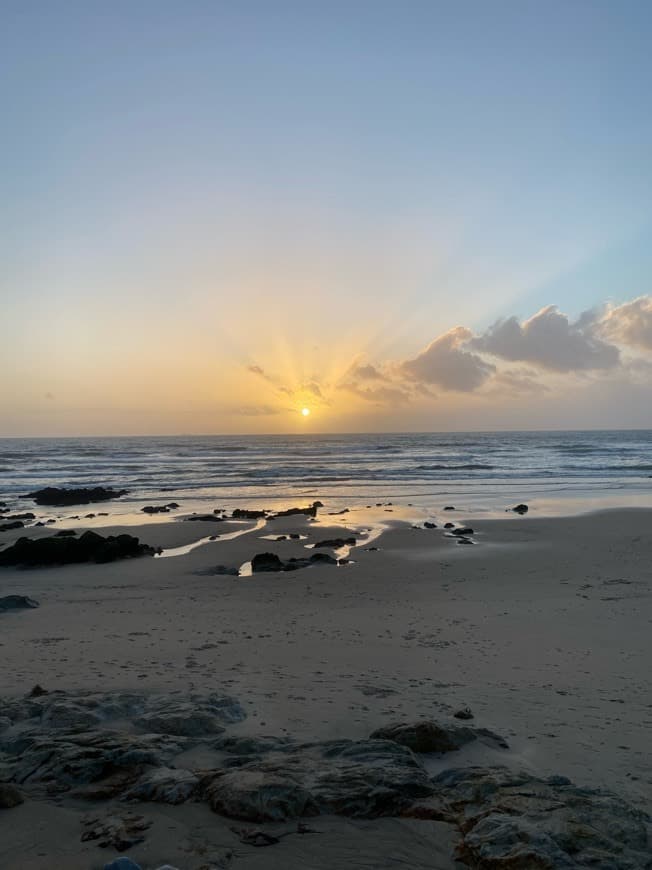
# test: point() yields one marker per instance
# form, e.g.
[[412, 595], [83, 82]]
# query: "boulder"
[[52, 495], [266, 562], [449, 525], [426, 735], [520, 509], [88, 547], [515, 820], [17, 602], [337, 543], [428, 525], [10, 797]]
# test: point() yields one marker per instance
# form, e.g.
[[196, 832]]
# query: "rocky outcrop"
[[88, 547], [429, 736], [271, 562], [56, 497], [351, 778], [246, 514], [9, 527], [310, 511], [337, 543], [514, 820], [16, 602]]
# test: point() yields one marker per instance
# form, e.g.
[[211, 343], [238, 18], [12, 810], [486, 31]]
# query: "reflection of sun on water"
[[305, 412]]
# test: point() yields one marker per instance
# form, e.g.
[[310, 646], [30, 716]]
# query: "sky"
[[400, 216]]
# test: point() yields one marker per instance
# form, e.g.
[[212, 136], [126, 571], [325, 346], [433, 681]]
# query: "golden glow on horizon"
[[305, 412]]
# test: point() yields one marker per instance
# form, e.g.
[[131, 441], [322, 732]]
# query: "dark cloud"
[[447, 364], [551, 341]]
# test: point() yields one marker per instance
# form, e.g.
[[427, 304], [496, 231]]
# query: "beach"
[[541, 628]]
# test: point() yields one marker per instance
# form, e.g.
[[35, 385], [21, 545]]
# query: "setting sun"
[[305, 412]]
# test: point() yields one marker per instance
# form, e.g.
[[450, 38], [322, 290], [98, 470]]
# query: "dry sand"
[[543, 628]]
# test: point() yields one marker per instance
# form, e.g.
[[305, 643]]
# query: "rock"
[[65, 533], [294, 536], [514, 820], [173, 506], [463, 531], [184, 721], [37, 691], [245, 514], [337, 543], [429, 736], [428, 525], [463, 713], [26, 516], [353, 778], [204, 518], [9, 796], [464, 541], [16, 602], [8, 527], [164, 785], [282, 538], [449, 507], [5, 722], [242, 745], [449, 525], [310, 511], [520, 509], [89, 516], [67, 714], [338, 513], [88, 547], [155, 509], [266, 562], [63, 497], [119, 832], [122, 864], [322, 558]]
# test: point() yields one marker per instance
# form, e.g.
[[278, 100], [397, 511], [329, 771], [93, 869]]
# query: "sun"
[[305, 412]]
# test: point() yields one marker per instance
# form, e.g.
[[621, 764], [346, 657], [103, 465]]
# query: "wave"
[[471, 466]]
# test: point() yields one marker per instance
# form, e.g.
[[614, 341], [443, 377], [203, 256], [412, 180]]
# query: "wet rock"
[[322, 558], [67, 714], [204, 518], [119, 832], [122, 864], [428, 525], [172, 505], [294, 536], [449, 525], [337, 543], [164, 785], [5, 722], [429, 736], [520, 509], [8, 527], [514, 820], [246, 514], [343, 511], [266, 562], [88, 547], [243, 745], [184, 721], [352, 778], [464, 541], [17, 602], [463, 713], [155, 509], [449, 507], [65, 533], [37, 691], [465, 530], [10, 797], [89, 516], [52, 495], [25, 516], [310, 511], [282, 538]]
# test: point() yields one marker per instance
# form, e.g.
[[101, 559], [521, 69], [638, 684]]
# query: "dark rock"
[[310, 511], [514, 820], [155, 509], [52, 495], [282, 538], [37, 692], [463, 713], [462, 531], [461, 540], [7, 527], [337, 513], [166, 785], [88, 547], [246, 514], [89, 516], [429, 736], [9, 796], [294, 536], [16, 602], [266, 562], [119, 832], [122, 864], [172, 505], [26, 516], [337, 543], [204, 518], [66, 533], [520, 509], [449, 507], [353, 778], [449, 525], [428, 525], [322, 558]]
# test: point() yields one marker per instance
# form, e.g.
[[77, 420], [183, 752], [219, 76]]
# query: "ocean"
[[555, 472]]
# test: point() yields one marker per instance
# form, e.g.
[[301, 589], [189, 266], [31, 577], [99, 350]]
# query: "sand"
[[543, 628]]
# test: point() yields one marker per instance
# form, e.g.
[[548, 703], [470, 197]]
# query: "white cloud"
[[630, 323]]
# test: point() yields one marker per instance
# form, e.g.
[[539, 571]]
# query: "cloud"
[[551, 341], [377, 395], [257, 410], [630, 323], [367, 373], [447, 364], [512, 381]]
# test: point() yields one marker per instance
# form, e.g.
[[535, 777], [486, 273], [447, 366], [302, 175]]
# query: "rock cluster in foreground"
[[124, 747], [58, 497], [66, 549]]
